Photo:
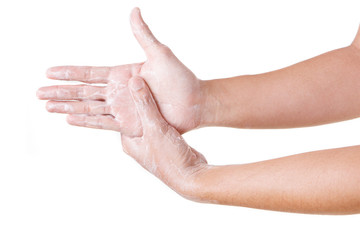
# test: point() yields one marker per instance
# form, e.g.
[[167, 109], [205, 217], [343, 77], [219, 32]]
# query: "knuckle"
[[57, 91], [165, 50], [164, 127], [82, 92], [87, 108], [144, 98]]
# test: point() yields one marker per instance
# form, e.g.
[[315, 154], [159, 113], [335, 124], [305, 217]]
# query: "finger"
[[80, 73], [85, 107], [99, 122], [142, 32], [146, 106], [72, 92]]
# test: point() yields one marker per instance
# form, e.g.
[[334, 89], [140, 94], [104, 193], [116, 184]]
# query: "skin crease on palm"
[[176, 89]]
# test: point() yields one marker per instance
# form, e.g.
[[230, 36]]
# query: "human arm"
[[322, 182], [320, 90]]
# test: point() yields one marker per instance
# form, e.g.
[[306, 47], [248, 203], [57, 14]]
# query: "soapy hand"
[[177, 91], [161, 149]]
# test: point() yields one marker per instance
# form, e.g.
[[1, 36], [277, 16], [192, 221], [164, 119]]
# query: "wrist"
[[211, 185], [194, 186], [210, 104]]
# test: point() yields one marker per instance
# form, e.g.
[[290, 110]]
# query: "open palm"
[[177, 91]]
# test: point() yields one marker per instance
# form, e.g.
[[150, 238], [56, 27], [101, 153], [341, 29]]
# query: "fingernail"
[[136, 84]]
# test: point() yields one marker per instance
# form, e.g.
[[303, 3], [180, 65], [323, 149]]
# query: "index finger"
[[85, 74]]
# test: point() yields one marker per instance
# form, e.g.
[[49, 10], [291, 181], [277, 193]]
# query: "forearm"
[[325, 182], [320, 90]]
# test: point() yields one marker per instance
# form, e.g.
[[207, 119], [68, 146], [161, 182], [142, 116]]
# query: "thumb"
[[142, 32], [150, 117]]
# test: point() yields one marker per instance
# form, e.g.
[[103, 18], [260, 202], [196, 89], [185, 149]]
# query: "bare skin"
[[176, 89], [323, 182], [317, 91], [171, 100], [161, 149]]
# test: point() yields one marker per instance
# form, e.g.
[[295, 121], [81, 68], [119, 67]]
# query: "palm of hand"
[[176, 89]]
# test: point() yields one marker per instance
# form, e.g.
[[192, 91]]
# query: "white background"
[[62, 182]]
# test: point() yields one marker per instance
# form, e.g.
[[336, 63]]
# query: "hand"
[[161, 149], [177, 91]]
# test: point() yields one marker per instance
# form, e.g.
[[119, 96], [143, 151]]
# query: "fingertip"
[[68, 118], [136, 10], [134, 16], [72, 119], [144, 103], [49, 72], [44, 93], [40, 93], [50, 106], [52, 72], [142, 33], [136, 83], [139, 91]]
